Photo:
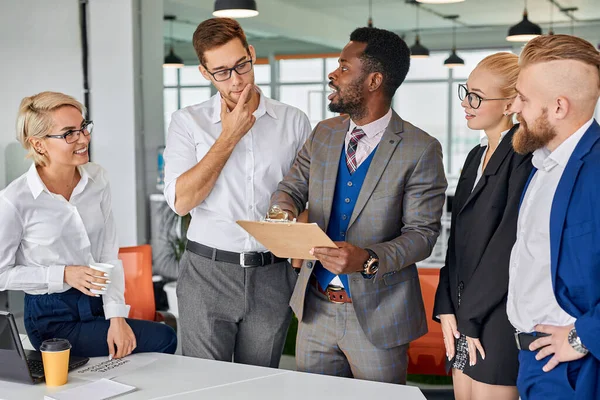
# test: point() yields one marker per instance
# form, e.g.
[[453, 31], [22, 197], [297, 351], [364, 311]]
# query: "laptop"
[[18, 364]]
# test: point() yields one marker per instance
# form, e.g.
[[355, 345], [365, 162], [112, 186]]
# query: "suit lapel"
[[493, 165], [334, 152], [383, 153], [564, 190]]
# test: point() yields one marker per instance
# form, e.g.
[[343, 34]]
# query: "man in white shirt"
[[554, 292], [223, 159]]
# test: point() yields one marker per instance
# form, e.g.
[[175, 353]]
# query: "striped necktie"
[[355, 136]]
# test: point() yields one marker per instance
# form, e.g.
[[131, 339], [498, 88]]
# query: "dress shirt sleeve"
[[304, 131], [22, 277], [114, 299], [292, 191], [179, 156], [424, 195]]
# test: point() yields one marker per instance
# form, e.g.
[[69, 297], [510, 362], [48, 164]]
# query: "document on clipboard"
[[288, 239]]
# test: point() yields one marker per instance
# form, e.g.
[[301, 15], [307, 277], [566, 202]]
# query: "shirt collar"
[[35, 182], [545, 160], [373, 128], [265, 106], [484, 141], [36, 185]]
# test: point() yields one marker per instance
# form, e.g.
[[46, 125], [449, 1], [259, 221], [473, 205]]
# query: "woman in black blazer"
[[471, 297]]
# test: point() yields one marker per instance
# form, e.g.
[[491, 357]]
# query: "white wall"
[[40, 47], [112, 52]]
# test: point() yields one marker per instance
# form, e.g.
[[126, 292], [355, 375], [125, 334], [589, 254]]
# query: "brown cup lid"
[[55, 344]]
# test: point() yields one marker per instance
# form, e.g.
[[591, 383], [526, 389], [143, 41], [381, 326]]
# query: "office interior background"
[[132, 96]]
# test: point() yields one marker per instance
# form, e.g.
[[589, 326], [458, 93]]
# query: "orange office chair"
[[427, 355], [139, 290]]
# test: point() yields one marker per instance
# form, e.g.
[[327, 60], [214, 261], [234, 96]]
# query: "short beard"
[[354, 102], [528, 139]]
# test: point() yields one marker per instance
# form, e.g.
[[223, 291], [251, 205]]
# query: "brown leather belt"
[[334, 294]]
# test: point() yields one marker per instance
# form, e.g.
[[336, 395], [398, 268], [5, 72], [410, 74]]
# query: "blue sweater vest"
[[347, 189]]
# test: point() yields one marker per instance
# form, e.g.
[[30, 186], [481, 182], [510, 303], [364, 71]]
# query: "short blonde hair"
[[505, 66], [559, 47], [35, 119]]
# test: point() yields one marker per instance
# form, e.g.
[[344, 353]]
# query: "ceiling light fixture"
[[525, 30], [235, 8], [171, 59], [454, 60], [417, 50]]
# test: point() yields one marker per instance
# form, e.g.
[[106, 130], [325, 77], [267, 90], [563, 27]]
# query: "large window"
[[183, 87]]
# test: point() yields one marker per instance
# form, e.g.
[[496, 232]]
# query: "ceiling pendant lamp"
[[439, 1], [417, 50], [454, 60], [171, 59], [370, 20], [235, 8], [525, 30]]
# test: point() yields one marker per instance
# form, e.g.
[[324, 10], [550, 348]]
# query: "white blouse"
[[41, 233]]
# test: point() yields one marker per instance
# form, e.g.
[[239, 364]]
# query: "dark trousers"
[[80, 319]]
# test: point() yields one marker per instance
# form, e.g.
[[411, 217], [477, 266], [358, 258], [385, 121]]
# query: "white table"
[[177, 377]]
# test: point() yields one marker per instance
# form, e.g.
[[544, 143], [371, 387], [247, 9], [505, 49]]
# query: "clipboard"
[[288, 239]]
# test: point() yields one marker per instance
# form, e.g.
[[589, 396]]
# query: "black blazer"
[[483, 231]]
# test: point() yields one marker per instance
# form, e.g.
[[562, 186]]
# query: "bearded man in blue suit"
[[554, 289]]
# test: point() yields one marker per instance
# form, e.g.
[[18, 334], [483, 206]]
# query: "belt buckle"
[[243, 259], [333, 289], [517, 340]]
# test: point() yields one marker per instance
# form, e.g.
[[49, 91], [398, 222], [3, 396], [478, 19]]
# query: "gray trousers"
[[331, 342], [230, 312]]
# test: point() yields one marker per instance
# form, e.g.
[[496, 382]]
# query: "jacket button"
[[309, 264]]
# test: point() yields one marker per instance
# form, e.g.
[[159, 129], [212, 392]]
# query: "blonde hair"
[[505, 66], [35, 119], [559, 47]]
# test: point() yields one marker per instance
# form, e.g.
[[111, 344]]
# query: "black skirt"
[[501, 363]]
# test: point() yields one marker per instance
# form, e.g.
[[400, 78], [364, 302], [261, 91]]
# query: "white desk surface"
[[177, 377]]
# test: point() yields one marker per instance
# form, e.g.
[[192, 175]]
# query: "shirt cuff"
[[56, 278], [116, 310]]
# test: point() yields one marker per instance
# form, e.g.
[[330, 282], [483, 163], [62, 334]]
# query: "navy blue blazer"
[[575, 252]]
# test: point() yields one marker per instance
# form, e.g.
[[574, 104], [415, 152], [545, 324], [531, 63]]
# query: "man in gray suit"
[[376, 185]]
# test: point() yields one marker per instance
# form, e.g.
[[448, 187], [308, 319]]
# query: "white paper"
[[113, 368], [99, 390]]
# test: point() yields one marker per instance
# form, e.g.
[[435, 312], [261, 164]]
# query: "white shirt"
[[531, 299], [243, 190], [373, 133], [484, 142], [41, 233]]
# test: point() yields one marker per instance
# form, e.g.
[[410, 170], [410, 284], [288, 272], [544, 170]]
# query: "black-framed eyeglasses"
[[224, 74], [72, 135], [474, 99]]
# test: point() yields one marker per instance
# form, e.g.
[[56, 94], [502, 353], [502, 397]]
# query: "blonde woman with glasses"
[[56, 221], [471, 296]]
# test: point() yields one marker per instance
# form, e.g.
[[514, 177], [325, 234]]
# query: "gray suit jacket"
[[397, 215]]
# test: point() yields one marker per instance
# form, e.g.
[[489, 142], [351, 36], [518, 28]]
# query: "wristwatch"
[[371, 265], [575, 342]]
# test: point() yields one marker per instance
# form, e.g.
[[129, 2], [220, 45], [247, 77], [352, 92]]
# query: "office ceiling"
[[313, 26]]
